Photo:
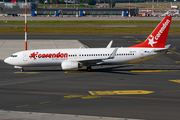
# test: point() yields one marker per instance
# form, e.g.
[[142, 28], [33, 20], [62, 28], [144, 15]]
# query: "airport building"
[[16, 8], [85, 11]]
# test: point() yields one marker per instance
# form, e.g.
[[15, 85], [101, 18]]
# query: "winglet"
[[113, 54], [110, 44]]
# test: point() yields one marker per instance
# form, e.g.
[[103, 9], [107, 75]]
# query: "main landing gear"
[[22, 70], [89, 69]]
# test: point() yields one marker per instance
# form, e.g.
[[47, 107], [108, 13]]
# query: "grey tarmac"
[[53, 91]]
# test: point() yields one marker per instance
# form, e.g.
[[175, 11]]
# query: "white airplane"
[[174, 6], [45, 2], [176, 14], [166, 13], [69, 59]]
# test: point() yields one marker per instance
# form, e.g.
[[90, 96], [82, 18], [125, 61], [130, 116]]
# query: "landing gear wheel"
[[89, 69], [22, 70]]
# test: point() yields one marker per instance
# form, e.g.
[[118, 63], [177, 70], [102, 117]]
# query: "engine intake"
[[69, 65]]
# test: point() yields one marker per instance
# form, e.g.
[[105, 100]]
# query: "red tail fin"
[[157, 39], [13, 1]]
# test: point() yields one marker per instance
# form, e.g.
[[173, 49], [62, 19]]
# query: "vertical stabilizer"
[[157, 39], [13, 1]]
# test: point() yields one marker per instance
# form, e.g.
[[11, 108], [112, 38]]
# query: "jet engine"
[[70, 65]]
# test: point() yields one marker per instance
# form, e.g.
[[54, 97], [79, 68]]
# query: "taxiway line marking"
[[81, 96], [128, 37], [177, 81], [22, 106], [175, 52], [90, 97], [65, 99], [45, 102], [73, 96], [169, 53], [28, 72], [153, 70], [77, 72], [120, 92], [2, 109]]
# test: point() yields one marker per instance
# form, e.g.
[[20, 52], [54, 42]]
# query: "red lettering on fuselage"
[[48, 55], [33, 55]]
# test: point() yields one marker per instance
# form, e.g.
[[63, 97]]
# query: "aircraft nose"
[[7, 60]]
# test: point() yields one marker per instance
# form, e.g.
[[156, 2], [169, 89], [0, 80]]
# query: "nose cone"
[[7, 60]]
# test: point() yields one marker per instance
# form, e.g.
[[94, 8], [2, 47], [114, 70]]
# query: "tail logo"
[[151, 41], [162, 29]]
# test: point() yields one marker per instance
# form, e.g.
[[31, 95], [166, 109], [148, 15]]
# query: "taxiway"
[[147, 90]]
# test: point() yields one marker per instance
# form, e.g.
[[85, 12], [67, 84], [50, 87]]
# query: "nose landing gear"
[[89, 69], [22, 70], [19, 67]]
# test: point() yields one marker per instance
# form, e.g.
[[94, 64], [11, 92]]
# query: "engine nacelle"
[[69, 65]]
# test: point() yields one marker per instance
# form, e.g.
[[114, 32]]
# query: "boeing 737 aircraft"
[[174, 6], [69, 59]]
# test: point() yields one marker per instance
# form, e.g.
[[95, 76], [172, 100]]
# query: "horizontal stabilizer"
[[162, 49], [167, 46]]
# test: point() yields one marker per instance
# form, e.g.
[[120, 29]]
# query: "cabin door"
[[25, 56], [142, 54]]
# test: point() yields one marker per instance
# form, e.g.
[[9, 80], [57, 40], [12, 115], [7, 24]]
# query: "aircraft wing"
[[91, 61], [97, 61]]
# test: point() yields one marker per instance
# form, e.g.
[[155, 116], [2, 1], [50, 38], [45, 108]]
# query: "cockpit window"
[[13, 55]]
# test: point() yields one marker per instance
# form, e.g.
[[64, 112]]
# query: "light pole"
[[25, 24]]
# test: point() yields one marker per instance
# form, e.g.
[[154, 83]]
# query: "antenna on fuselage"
[[25, 24]]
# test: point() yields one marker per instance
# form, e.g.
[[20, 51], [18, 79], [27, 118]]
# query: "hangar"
[[17, 9], [84, 11]]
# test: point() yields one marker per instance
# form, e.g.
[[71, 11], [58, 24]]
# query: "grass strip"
[[84, 30], [102, 22]]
